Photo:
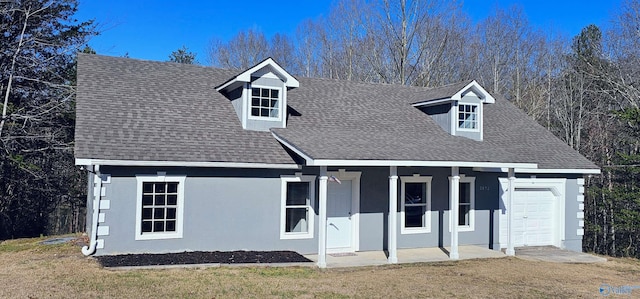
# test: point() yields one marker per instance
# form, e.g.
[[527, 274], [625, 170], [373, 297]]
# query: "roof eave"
[[473, 85], [110, 162], [542, 170], [418, 163], [289, 80]]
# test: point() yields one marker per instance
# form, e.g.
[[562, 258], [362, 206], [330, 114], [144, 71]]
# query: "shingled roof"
[[157, 111], [141, 110]]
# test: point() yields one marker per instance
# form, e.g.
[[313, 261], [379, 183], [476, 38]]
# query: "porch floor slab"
[[413, 255]]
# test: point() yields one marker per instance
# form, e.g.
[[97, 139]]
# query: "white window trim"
[[478, 117], [179, 213], [472, 209], [280, 103], [415, 230], [283, 206]]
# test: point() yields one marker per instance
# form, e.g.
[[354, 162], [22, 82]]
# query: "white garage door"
[[534, 221]]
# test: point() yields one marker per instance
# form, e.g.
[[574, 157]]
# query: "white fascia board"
[[488, 98], [302, 154], [559, 170], [88, 162], [539, 170], [431, 103], [290, 81], [330, 162], [225, 85], [229, 84]]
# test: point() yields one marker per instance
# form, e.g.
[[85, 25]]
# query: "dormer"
[[458, 109], [259, 95]]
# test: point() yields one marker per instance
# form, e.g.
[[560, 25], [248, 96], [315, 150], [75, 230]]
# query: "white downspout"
[[97, 190]]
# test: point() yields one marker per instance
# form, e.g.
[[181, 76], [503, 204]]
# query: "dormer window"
[[468, 117], [259, 95], [458, 108], [265, 102]]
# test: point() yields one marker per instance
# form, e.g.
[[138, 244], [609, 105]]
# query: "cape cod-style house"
[[192, 158]]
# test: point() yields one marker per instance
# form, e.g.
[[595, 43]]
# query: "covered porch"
[[447, 250], [414, 255]]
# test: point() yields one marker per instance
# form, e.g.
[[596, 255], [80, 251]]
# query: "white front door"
[[339, 217]]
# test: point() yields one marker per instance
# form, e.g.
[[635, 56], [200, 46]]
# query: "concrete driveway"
[[556, 255]]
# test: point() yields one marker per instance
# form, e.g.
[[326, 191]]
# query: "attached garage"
[[538, 212]]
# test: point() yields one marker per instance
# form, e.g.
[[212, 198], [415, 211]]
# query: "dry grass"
[[31, 270]]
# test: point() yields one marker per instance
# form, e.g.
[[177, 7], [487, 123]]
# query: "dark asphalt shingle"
[[156, 111], [142, 110]]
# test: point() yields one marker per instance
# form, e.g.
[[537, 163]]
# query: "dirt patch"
[[201, 257]]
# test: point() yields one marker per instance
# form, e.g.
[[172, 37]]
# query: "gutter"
[[97, 190]]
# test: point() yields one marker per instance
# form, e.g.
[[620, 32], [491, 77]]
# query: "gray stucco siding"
[[236, 100], [441, 114], [485, 205], [239, 209], [90, 199], [270, 82], [374, 208], [220, 213], [572, 241]]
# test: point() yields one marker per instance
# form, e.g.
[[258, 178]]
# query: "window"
[[468, 117], [416, 204], [159, 207], [265, 102], [296, 220], [466, 204]]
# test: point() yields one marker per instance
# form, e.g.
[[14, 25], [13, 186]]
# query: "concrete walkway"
[[556, 255], [416, 255]]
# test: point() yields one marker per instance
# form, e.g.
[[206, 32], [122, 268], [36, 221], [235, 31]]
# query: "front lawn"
[[29, 269]]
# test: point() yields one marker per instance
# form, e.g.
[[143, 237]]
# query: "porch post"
[[510, 237], [454, 211], [322, 214], [393, 215]]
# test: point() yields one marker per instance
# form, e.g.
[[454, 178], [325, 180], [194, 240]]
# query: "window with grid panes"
[[468, 117], [265, 102], [159, 207]]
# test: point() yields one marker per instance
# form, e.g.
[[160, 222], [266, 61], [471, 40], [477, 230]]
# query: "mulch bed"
[[201, 257]]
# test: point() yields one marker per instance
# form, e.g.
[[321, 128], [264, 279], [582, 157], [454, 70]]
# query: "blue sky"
[[153, 29]]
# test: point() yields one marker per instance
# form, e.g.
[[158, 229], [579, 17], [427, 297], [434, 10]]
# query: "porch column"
[[393, 215], [510, 237], [454, 208], [322, 214]]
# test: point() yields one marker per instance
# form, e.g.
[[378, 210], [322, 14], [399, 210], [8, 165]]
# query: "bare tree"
[[37, 77], [242, 51], [308, 49], [282, 50]]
